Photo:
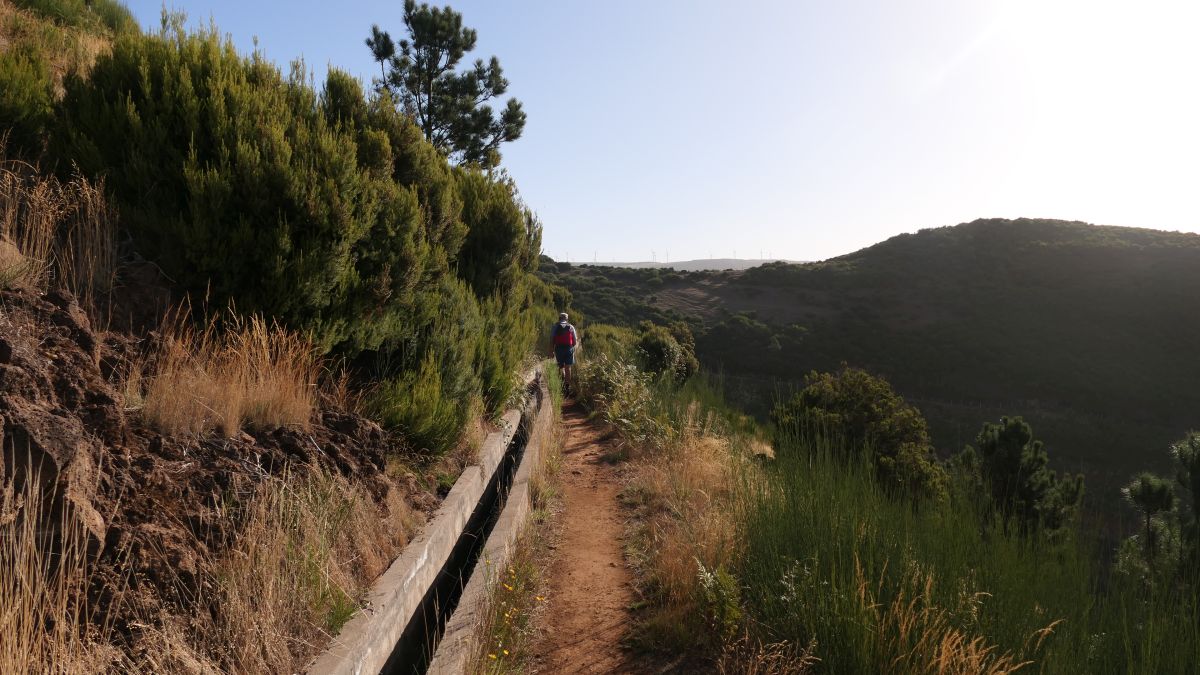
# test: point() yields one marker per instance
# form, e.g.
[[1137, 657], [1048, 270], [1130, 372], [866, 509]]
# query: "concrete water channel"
[[422, 614]]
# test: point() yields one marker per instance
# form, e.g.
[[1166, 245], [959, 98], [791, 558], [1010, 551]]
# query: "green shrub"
[[668, 350], [625, 399], [327, 211], [418, 402], [830, 556], [250, 187], [26, 99], [500, 235], [1015, 481], [90, 15], [863, 410]]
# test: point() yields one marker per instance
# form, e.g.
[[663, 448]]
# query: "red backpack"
[[564, 334]]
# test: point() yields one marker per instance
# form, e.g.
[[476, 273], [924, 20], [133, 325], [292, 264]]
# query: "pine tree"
[[1186, 453], [1014, 471], [449, 106], [1152, 495]]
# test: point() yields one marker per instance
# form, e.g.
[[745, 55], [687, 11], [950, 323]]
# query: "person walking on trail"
[[563, 341]]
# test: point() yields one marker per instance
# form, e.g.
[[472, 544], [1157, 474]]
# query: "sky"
[[802, 130]]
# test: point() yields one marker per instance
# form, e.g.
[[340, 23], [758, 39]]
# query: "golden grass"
[[339, 391], [298, 569], [230, 375], [916, 636], [748, 656], [44, 575], [307, 553], [56, 234], [686, 491]]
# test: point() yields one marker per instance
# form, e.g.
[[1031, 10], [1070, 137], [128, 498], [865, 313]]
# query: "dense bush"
[[26, 101], [669, 350], [252, 187], [862, 410], [326, 210], [503, 239], [91, 15]]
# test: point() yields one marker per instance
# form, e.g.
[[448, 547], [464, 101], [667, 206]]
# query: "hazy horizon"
[[714, 130]]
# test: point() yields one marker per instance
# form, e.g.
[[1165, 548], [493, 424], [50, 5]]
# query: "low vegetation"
[[1048, 320], [810, 551], [43, 592], [516, 595], [231, 375], [56, 234], [307, 550]]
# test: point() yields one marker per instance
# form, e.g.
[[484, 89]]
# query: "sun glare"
[[1112, 86]]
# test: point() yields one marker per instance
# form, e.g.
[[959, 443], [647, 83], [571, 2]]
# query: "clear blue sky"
[[808, 129]]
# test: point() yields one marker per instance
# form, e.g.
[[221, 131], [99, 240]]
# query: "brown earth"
[[588, 612], [162, 504], [713, 299]]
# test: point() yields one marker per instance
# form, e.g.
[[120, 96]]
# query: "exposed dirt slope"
[[163, 503]]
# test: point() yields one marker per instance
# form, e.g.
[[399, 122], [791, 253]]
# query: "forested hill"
[[1089, 332]]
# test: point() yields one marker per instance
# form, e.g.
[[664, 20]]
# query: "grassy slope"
[[1087, 331]]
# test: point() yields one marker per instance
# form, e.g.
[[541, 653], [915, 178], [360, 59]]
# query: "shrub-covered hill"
[[1089, 332], [247, 324]]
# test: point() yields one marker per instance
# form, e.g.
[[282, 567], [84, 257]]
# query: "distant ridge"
[[703, 265], [1086, 331]]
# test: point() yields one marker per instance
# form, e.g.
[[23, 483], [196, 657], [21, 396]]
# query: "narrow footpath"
[[590, 590]]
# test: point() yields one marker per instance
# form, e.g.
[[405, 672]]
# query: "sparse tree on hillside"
[[450, 107], [1014, 473], [1152, 496]]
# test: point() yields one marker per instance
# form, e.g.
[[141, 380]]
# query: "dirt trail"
[[590, 592]]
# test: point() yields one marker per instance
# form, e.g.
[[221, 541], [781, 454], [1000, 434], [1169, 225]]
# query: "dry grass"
[[232, 374], [299, 568], [685, 492], [748, 656], [339, 391], [686, 535], [66, 49], [300, 565], [45, 619], [916, 636], [55, 234]]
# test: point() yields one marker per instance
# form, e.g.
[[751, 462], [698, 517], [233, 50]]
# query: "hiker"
[[563, 341]]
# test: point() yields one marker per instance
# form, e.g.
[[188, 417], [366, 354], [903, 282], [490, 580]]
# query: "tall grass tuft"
[[239, 373], [46, 622], [297, 570], [56, 234], [882, 587]]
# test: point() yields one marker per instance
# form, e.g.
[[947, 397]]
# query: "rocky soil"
[[162, 504]]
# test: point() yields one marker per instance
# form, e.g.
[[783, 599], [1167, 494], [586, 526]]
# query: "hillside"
[[1087, 331], [700, 265], [232, 383]]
